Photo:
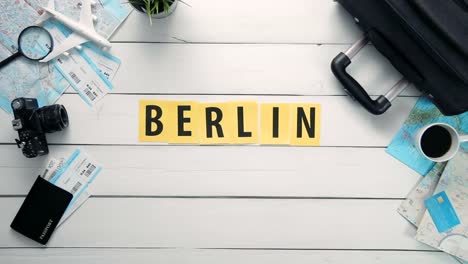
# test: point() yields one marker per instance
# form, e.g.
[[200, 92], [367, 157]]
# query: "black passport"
[[41, 211]]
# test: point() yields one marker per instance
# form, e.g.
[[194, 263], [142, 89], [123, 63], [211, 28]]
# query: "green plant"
[[153, 7]]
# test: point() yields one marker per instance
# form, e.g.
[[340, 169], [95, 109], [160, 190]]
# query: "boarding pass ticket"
[[53, 166], [77, 204], [74, 175], [105, 62], [88, 70], [77, 172]]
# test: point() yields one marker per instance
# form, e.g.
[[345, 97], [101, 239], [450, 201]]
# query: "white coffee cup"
[[437, 145]]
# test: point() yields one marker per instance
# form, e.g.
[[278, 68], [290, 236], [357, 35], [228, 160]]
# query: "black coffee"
[[436, 142]]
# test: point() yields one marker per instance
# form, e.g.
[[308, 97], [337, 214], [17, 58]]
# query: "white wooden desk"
[[229, 204]]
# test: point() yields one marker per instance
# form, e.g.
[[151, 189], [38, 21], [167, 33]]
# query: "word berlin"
[[186, 122]]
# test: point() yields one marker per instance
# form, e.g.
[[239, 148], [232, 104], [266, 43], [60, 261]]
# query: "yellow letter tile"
[[275, 123], [154, 118], [217, 123], [186, 123], [305, 124], [246, 123]]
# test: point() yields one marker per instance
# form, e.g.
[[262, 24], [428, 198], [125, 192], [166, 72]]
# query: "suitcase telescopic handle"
[[355, 90]]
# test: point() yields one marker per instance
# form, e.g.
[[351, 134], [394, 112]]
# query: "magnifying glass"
[[34, 43]]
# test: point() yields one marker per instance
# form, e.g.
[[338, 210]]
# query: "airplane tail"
[[45, 15]]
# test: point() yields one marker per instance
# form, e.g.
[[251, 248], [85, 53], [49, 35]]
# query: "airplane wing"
[[72, 41], [86, 15], [45, 15]]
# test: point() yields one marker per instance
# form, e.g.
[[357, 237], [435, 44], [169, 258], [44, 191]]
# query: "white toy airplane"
[[83, 31]]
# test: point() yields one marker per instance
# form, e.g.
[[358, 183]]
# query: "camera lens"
[[17, 104], [53, 118]]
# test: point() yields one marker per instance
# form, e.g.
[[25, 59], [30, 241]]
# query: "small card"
[[442, 212]]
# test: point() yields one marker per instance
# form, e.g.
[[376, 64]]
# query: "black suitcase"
[[426, 40]]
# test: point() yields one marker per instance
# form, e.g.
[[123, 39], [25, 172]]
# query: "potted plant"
[[155, 8]]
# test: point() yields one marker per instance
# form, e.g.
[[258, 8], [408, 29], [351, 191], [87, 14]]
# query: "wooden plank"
[[226, 171], [226, 223], [206, 256], [243, 21], [245, 69], [115, 121]]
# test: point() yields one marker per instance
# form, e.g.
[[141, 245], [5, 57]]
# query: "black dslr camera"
[[33, 122]]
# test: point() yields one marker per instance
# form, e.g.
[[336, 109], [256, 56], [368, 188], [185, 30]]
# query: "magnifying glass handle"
[[9, 59]]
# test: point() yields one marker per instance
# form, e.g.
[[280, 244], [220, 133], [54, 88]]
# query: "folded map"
[[413, 208], [451, 192]]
